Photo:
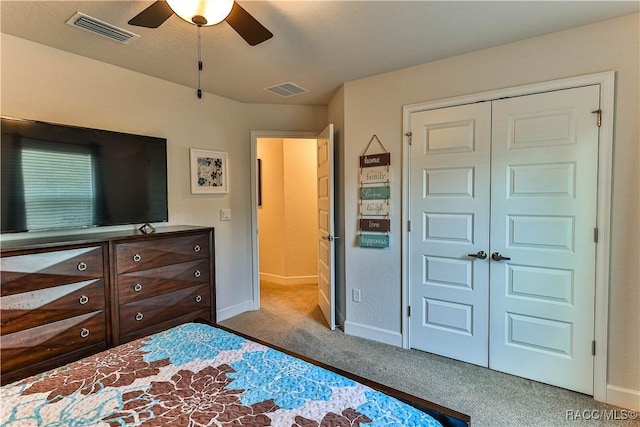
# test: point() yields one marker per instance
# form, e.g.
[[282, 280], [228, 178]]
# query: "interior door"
[[449, 238], [543, 189], [326, 237]]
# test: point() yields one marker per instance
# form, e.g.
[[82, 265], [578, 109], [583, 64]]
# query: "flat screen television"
[[59, 177]]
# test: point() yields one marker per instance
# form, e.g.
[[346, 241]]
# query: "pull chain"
[[199, 61]]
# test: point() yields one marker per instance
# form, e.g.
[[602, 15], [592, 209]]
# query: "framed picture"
[[209, 172], [259, 173]]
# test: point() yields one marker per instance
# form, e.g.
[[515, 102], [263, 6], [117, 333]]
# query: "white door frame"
[[606, 80], [255, 253]]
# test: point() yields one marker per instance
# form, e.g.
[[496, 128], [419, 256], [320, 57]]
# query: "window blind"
[[59, 188]]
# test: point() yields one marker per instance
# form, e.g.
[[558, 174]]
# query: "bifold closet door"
[[449, 213], [543, 214], [502, 207]]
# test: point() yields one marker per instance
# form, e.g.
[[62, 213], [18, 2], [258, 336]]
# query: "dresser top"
[[89, 238]]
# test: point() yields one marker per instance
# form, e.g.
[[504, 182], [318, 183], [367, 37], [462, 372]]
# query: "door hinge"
[[408, 311], [598, 113], [595, 234], [408, 225], [593, 347], [409, 135]]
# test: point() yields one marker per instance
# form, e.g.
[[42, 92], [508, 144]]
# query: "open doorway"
[[286, 208]]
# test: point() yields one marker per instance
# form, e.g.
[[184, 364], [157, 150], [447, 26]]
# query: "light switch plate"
[[225, 214]]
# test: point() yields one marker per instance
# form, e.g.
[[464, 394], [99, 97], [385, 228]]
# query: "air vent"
[[287, 89], [101, 28]]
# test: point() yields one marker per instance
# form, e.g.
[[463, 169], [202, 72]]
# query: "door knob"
[[479, 255], [497, 257]]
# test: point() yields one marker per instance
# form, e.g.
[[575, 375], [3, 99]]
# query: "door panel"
[[449, 213], [543, 212], [326, 238], [530, 310]]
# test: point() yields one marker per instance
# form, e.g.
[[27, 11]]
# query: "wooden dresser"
[[160, 282], [63, 298], [54, 308]]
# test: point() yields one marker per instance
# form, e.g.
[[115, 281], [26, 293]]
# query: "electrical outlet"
[[225, 214], [356, 295]]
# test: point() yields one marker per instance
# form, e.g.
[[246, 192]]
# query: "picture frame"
[[259, 176], [209, 172]]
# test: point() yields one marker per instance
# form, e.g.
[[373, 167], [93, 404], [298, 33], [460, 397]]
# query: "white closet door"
[[543, 214], [449, 213]]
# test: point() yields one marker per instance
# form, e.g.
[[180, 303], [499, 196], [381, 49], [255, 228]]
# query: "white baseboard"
[[623, 397], [288, 280], [234, 310], [376, 334]]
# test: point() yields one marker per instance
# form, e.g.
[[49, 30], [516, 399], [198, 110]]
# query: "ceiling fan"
[[205, 13]]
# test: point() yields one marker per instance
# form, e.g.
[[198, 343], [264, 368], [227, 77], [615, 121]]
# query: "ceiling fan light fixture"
[[202, 12]]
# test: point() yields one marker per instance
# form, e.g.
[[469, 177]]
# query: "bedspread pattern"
[[198, 375]]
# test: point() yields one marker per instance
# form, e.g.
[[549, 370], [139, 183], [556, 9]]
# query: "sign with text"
[[374, 175], [375, 193], [373, 241], [373, 160], [371, 224], [374, 208]]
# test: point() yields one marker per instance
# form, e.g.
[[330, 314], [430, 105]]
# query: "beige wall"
[[42, 83], [287, 218], [271, 213], [374, 106], [301, 213]]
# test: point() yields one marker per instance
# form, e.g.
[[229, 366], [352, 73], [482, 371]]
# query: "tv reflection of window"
[[59, 188]]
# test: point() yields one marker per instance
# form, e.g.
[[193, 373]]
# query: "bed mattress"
[[199, 375]]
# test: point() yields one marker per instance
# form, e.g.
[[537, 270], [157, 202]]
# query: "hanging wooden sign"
[[372, 160], [375, 193], [375, 224], [374, 175], [374, 208], [373, 241]]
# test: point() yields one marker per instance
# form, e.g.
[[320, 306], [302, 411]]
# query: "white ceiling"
[[317, 44]]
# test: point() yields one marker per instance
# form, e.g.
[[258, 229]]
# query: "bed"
[[200, 374]]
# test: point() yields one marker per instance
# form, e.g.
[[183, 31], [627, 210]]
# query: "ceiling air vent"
[[287, 89], [101, 28]]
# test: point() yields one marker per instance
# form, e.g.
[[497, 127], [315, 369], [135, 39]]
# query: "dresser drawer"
[[41, 270], [34, 308], [156, 252], [144, 313], [144, 284], [30, 346], [163, 326]]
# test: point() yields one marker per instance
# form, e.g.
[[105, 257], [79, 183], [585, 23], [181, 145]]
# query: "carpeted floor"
[[291, 318]]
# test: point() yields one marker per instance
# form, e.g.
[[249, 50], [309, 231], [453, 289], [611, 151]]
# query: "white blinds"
[[59, 188]]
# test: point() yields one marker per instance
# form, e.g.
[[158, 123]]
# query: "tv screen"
[[57, 176]]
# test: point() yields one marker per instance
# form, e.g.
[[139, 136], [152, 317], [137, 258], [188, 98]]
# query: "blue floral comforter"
[[198, 375]]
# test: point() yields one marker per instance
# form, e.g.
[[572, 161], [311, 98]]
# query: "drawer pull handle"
[[197, 248], [197, 273], [84, 333], [137, 258], [139, 317], [83, 299], [198, 299], [82, 266], [137, 287]]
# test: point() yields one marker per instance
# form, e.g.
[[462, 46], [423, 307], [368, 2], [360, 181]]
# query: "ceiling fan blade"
[[247, 26], [153, 16]]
